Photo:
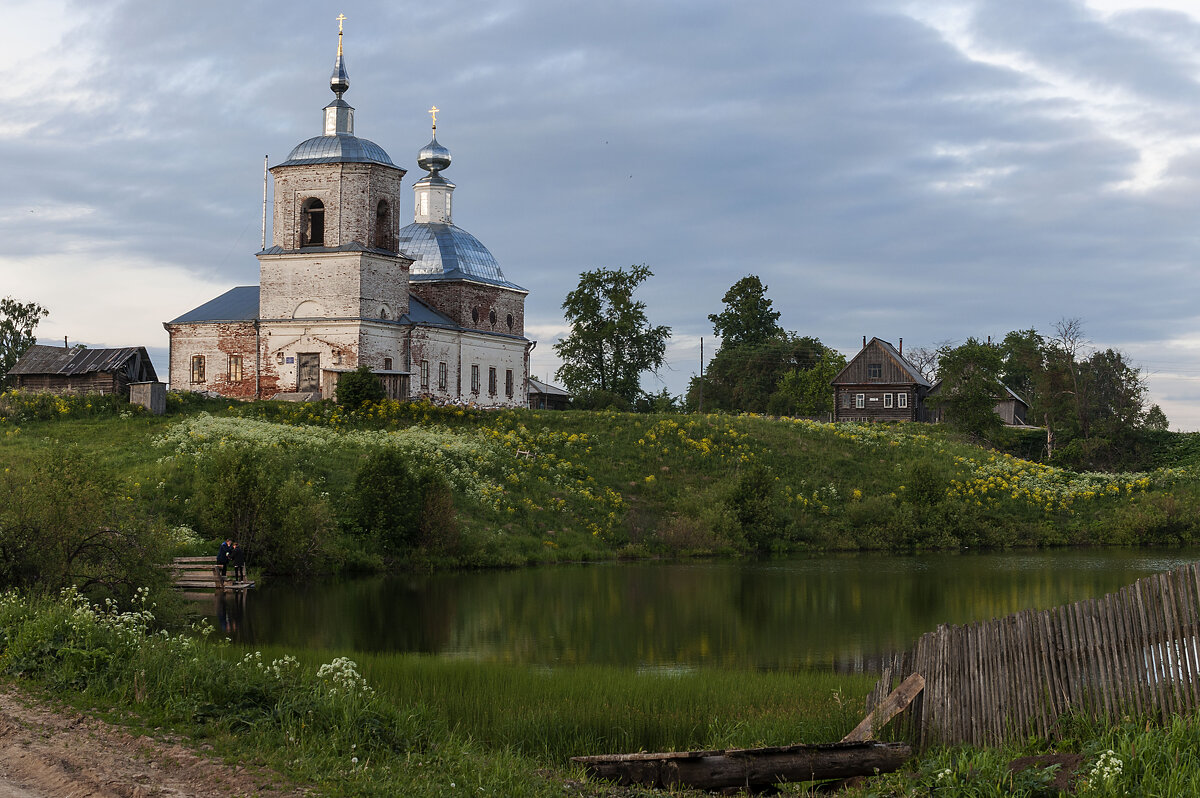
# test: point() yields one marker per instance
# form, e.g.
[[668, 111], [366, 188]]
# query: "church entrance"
[[308, 367]]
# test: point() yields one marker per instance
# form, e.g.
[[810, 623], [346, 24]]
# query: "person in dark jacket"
[[223, 555], [237, 556]]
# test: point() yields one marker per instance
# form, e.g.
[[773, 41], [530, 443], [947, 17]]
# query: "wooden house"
[[78, 370], [1011, 408], [878, 384], [544, 396]]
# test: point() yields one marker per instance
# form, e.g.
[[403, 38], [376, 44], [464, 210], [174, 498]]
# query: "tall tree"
[[747, 319], [18, 320], [611, 341], [970, 386]]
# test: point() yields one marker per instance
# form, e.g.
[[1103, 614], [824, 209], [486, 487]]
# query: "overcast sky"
[[926, 170]]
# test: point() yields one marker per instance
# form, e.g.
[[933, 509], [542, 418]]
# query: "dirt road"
[[50, 752]]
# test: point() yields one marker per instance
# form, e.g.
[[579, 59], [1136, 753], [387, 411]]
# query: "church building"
[[425, 306]]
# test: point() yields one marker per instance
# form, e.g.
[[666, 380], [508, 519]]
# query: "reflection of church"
[[425, 306]]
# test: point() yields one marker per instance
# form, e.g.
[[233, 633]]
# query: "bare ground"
[[54, 752]]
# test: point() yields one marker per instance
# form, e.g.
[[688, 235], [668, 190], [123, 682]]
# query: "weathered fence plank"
[[1136, 650]]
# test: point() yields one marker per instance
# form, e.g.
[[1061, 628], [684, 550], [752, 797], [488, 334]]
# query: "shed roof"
[[537, 386], [77, 361]]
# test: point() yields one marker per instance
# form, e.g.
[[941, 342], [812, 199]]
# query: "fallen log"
[[748, 767]]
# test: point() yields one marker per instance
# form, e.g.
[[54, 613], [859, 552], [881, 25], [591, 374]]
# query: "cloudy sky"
[[926, 170]]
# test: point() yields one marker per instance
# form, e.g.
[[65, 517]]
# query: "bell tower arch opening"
[[383, 226], [312, 223]]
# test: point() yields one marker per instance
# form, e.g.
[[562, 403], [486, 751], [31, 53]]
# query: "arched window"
[[492, 317], [383, 226], [312, 223]]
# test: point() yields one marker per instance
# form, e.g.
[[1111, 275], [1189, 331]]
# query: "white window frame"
[[901, 400], [860, 401], [887, 400]]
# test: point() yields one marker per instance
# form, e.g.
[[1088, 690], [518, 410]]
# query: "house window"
[[474, 378], [442, 376], [492, 380], [887, 400], [860, 400], [874, 370], [901, 400], [197, 368], [508, 383], [424, 375], [235, 368], [312, 223], [846, 400], [387, 364]]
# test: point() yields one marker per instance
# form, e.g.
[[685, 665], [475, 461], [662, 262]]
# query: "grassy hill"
[[298, 480]]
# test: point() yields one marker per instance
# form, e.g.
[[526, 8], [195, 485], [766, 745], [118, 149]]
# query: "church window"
[[492, 380], [312, 223], [383, 314], [387, 364], [474, 315], [424, 210], [424, 375], [442, 376], [447, 206], [492, 317], [474, 378], [508, 383], [235, 368], [509, 321], [383, 227], [197, 368]]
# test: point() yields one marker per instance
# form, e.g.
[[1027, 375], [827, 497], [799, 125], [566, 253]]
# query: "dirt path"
[[50, 752]]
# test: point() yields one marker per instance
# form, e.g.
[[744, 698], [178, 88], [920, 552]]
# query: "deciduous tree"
[[748, 319], [611, 341], [18, 320]]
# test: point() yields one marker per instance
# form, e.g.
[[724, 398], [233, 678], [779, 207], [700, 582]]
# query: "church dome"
[[448, 251], [337, 149]]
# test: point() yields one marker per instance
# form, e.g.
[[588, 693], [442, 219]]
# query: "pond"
[[830, 612]]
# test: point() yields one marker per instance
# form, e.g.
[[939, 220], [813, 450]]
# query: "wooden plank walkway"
[[203, 573], [1133, 652]]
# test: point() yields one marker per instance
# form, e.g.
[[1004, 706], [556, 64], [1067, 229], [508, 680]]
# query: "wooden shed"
[[878, 384], [544, 396], [1011, 408], [78, 370]]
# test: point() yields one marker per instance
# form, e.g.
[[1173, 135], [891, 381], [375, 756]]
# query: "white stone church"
[[425, 306]]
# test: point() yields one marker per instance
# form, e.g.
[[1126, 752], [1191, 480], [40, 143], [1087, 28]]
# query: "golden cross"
[[340, 19], [434, 112]]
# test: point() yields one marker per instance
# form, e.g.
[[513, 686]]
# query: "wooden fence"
[[1133, 652]]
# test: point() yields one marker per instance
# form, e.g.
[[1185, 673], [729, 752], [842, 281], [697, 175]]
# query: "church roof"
[[448, 252], [342, 148], [236, 304]]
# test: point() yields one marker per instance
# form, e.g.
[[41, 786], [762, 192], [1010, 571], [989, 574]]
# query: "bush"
[[358, 387], [400, 505]]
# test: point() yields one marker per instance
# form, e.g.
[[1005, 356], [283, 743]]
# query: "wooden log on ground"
[[748, 767]]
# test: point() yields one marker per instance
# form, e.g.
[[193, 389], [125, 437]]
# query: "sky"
[[928, 170]]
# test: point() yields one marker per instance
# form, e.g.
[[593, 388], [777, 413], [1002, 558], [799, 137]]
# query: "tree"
[[970, 386], [746, 377], [808, 392], [747, 319], [611, 341], [17, 323]]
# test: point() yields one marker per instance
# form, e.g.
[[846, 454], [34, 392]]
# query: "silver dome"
[[446, 250], [337, 149], [433, 157]]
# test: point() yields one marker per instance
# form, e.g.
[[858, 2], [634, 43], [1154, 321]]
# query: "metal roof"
[[236, 304], [77, 360], [442, 251], [342, 148], [537, 386]]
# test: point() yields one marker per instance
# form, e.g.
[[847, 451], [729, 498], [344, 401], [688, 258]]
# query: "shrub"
[[358, 387]]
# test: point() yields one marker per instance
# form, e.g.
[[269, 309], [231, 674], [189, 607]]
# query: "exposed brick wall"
[[350, 193], [215, 342], [457, 299]]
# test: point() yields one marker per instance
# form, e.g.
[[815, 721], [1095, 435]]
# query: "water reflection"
[[838, 612]]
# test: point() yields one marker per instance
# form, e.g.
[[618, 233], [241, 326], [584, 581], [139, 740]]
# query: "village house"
[[425, 306], [59, 369], [878, 384]]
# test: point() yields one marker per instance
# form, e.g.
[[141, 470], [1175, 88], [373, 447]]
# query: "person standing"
[[223, 555], [237, 556]]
